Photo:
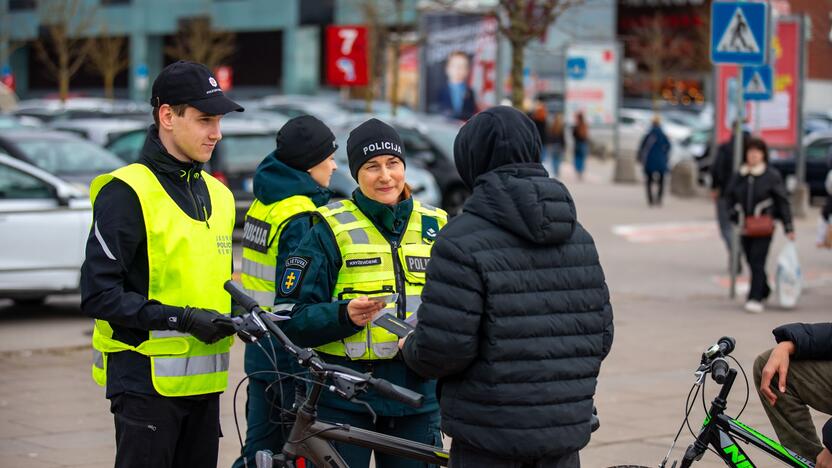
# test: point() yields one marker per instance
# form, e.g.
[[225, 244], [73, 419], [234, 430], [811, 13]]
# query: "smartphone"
[[393, 324]]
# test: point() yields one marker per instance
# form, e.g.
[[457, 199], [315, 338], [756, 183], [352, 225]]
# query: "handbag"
[[758, 226]]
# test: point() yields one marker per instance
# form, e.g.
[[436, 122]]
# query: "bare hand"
[[714, 195], [824, 459], [778, 363], [401, 340], [790, 235], [362, 310]]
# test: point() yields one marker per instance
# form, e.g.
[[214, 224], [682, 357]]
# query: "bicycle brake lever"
[[366, 405]]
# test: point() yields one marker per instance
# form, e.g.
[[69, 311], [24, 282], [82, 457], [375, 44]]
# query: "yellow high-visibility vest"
[[261, 235], [371, 266], [188, 262]]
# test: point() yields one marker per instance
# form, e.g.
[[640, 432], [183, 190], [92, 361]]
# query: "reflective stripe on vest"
[[368, 268], [261, 236], [188, 262]]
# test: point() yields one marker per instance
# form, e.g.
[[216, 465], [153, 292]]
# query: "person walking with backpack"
[[653, 154]]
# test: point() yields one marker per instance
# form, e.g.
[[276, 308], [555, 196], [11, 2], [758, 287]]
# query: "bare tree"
[[198, 41], [660, 53], [108, 59], [520, 22], [64, 47]]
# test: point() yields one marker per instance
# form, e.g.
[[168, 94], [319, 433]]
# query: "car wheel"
[[454, 199], [29, 301]]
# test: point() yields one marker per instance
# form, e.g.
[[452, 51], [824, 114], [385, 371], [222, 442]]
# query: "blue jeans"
[[580, 156], [553, 150]]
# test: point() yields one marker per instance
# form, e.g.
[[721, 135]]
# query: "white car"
[[633, 124], [44, 224]]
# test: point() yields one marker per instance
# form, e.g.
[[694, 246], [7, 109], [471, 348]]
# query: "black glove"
[[206, 325]]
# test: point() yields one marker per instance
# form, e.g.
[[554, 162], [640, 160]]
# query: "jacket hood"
[[275, 181], [493, 138], [522, 199]]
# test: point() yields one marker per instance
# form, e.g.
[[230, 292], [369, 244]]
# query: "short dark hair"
[[178, 109], [758, 144]]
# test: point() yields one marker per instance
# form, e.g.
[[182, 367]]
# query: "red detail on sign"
[[346, 55], [778, 119], [607, 55], [224, 75], [8, 80]]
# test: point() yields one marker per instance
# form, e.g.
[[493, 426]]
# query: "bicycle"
[[719, 432], [309, 438]]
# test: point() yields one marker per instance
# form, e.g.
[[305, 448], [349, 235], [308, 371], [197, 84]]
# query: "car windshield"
[[68, 156], [242, 153]]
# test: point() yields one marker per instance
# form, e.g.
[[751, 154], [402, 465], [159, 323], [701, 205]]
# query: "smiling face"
[[382, 179], [190, 136], [322, 172]]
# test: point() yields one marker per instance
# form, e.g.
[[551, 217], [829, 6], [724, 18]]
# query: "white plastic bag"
[[789, 278]]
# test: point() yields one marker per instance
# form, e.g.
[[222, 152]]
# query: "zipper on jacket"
[[401, 311], [199, 214], [750, 197]]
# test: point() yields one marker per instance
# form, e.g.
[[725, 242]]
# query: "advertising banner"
[[346, 55], [460, 64], [592, 82]]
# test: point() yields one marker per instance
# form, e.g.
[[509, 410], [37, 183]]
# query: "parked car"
[[429, 145], [48, 110], [633, 124], [44, 224], [62, 154], [818, 150], [99, 130]]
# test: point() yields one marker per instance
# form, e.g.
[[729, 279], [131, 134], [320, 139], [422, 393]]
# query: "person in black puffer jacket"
[[515, 317], [758, 190]]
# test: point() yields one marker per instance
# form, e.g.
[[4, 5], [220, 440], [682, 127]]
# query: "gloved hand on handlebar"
[[206, 325]]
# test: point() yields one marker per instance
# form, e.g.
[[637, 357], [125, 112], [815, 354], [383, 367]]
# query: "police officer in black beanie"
[[289, 185], [342, 276]]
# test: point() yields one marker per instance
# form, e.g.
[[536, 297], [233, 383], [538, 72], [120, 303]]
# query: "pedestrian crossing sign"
[[739, 33], [757, 83]]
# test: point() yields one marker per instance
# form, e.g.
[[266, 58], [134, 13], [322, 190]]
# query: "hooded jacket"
[[515, 316]]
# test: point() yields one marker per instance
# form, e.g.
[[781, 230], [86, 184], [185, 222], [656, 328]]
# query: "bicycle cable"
[[688, 408], [747, 386], [708, 415]]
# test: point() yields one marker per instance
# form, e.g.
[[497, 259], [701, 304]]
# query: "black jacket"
[[811, 341], [722, 166], [515, 317], [114, 280], [760, 194]]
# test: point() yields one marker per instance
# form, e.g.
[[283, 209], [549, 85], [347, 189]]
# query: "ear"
[[166, 117]]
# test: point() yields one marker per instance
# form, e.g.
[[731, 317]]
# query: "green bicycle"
[[720, 433]]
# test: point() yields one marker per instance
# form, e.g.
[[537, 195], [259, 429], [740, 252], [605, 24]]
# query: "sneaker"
[[754, 307]]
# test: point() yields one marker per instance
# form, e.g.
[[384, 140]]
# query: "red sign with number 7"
[[346, 55]]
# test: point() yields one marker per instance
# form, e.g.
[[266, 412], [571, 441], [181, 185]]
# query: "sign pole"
[[738, 157]]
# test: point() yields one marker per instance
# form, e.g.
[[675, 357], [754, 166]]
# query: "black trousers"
[[465, 456], [650, 179], [162, 432], [756, 252]]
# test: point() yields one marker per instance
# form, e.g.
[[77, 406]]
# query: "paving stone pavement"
[[669, 304]]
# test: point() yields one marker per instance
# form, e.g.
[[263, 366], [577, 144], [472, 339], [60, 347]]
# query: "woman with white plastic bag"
[[758, 197], [788, 280]]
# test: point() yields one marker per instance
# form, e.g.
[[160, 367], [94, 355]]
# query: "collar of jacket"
[[756, 171], [275, 181], [157, 157], [390, 220]]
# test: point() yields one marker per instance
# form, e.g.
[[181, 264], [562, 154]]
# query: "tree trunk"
[[63, 85], [109, 85], [517, 94]]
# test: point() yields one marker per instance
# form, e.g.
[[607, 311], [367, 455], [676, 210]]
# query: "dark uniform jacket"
[[275, 181], [114, 279], [316, 320], [516, 316], [811, 341], [760, 194]]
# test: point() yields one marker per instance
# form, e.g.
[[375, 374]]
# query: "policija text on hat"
[[157, 256]]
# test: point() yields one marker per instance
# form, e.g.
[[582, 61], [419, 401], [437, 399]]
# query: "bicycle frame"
[[722, 432], [310, 439]]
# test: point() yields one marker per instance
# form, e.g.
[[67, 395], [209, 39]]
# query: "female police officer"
[[288, 185], [373, 245]]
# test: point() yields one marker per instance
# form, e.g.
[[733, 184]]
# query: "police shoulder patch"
[[293, 271], [430, 228]]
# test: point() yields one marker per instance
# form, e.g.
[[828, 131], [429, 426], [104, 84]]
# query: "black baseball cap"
[[191, 83]]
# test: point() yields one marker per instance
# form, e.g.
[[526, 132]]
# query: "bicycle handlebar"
[[307, 358]]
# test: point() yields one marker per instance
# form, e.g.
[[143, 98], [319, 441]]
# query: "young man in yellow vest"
[[289, 185], [157, 256]]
